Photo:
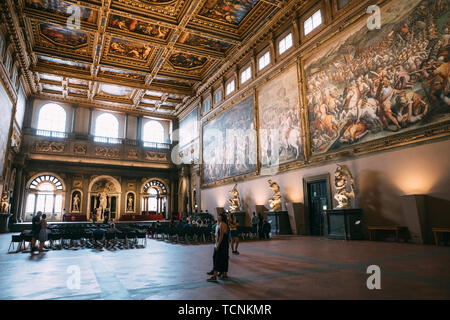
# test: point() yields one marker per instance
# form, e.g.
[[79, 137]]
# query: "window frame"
[[309, 14], [46, 130], [230, 81], [247, 68], [261, 56], [283, 37], [163, 140]]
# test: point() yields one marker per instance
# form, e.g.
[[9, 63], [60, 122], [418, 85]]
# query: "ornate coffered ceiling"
[[139, 54]]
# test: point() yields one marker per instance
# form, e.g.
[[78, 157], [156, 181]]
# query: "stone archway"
[[104, 195]]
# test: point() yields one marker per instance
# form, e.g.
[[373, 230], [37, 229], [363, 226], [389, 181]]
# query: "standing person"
[[43, 235], [35, 229], [64, 215], [234, 233], [220, 257], [260, 225], [254, 222]]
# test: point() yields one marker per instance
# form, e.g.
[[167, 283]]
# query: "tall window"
[[313, 22], [230, 87], [106, 128], [52, 120], [285, 44], [153, 133], [264, 60], [45, 194], [206, 105], [246, 74], [218, 96]]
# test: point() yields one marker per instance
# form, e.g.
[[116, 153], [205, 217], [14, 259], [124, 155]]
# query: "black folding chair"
[[16, 239]]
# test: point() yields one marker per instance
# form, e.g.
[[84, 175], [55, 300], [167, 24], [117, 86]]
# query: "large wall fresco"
[[368, 85], [6, 112], [230, 11], [229, 143], [189, 128], [279, 120]]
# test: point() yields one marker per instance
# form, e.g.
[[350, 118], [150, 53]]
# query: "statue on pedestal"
[[234, 201], [342, 179], [4, 205], [130, 202], [275, 201], [76, 203]]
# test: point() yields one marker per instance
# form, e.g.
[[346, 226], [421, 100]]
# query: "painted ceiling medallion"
[[63, 36], [159, 2], [136, 26], [61, 8], [130, 49], [230, 11], [187, 61], [206, 43], [115, 90]]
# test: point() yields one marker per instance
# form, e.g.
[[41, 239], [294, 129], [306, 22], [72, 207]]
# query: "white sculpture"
[[342, 179]]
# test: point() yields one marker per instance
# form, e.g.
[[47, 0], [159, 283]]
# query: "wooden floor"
[[285, 268]]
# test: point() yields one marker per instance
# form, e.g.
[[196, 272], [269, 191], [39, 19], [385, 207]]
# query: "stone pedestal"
[[344, 224], [4, 218], [279, 221], [416, 218], [298, 219]]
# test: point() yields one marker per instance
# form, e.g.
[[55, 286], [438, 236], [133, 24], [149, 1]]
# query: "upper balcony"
[[70, 147]]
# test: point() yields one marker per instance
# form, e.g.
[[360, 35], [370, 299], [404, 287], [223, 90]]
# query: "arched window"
[[155, 199], [52, 117], [107, 128], [44, 194], [153, 132]]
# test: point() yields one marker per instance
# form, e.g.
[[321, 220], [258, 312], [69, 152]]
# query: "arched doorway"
[[154, 197], [44, 192], [104, 195]]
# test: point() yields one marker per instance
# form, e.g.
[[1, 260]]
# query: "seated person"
[[98, 234]]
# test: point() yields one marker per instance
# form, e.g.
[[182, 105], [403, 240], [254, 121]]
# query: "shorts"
[[233, 233], [35, 234]]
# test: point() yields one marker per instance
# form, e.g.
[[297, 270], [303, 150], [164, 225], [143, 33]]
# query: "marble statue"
[[75, 203], [4, 203], [130, 203], [275, 201], [342, 180], [234, 200], [103, 201]]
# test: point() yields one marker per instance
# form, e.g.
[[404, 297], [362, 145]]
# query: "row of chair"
[[196, 234], [67, 238]]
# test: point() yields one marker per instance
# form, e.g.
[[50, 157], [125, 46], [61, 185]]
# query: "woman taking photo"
[[220, 257]]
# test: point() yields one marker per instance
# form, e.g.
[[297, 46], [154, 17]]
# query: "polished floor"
[[284, 268]]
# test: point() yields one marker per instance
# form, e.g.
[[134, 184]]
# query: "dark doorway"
[[317, 195]]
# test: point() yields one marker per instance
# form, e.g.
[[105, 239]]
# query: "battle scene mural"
[[5, 111], [231, 11], [229, 143], [186, 60], [207, 43], [279, 120], [63, 36], [62, 8], [370, 84], [136, 26], [129, 49]]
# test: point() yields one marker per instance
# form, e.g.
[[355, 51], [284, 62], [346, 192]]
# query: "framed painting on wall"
[[280, 132], [5, 122], [371, 87], [229, 143]]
